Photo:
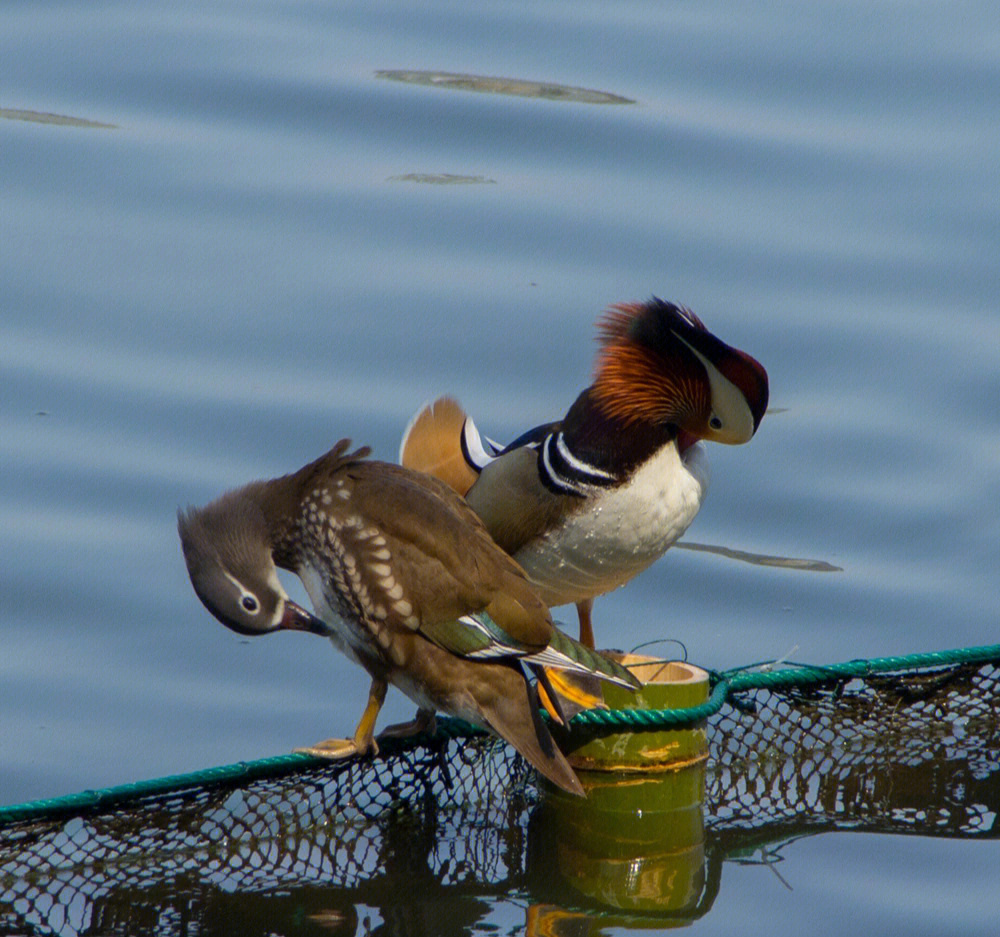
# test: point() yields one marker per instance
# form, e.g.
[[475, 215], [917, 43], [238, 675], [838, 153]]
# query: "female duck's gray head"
[[227, 549]]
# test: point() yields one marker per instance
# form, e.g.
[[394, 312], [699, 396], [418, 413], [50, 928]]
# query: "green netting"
[[905, 745]]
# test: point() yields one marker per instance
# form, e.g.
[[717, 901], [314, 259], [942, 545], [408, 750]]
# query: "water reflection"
[[41, 117], [637, 844], [442, 178], [449, 830], [519, 87], [760, 559]]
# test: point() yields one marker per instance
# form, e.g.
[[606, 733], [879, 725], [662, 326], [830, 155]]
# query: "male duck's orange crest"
[[643, 372]]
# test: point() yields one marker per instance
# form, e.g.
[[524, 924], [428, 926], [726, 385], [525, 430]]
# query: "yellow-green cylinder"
[[636, 842], [665, 685]]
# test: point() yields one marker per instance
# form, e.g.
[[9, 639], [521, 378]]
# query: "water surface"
[[223, 256]]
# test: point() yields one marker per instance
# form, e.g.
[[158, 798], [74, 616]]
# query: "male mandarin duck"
[[589, 501], [405, 580]]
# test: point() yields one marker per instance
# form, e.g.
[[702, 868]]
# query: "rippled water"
[[242, 239]]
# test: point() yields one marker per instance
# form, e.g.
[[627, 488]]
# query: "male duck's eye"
[[249, 604], [715, 423]]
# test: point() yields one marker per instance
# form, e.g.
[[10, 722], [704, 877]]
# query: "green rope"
[[726, 685], [737, 681], [240, 773]]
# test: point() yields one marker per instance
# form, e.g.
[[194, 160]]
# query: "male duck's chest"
[[617, 532]]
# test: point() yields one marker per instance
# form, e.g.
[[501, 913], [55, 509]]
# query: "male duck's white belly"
[[620, 531]]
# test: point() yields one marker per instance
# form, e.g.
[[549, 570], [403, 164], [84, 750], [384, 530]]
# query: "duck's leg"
[[363, 742], [424, 722], [586, 627]]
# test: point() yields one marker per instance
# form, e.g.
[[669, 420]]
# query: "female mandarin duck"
[[588, 502], [405, 580]]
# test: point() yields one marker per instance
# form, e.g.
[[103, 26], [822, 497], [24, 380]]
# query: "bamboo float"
[[637, 841]]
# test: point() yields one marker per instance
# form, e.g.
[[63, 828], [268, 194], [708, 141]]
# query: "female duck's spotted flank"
[[404, 579]]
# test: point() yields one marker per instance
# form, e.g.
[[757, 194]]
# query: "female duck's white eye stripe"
[[729, 406], [248, 601], [239, 585], [275, 583], [245, 594]]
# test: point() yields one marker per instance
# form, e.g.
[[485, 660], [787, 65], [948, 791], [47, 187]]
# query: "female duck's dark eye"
[[249, 603], [715, 423]]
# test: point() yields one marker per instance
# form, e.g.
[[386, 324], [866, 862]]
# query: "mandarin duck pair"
[[437, 576]]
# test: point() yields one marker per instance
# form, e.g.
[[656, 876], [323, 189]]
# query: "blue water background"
[[235, 276]]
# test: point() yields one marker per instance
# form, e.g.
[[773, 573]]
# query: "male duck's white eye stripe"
[[728, 402]]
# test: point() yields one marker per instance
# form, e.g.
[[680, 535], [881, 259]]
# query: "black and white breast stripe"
[[564, 473], [558, 468]]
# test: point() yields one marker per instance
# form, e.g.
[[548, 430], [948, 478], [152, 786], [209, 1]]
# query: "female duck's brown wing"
[[442, 554]]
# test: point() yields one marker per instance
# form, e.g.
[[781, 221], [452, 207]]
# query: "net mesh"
[[907, 752]]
